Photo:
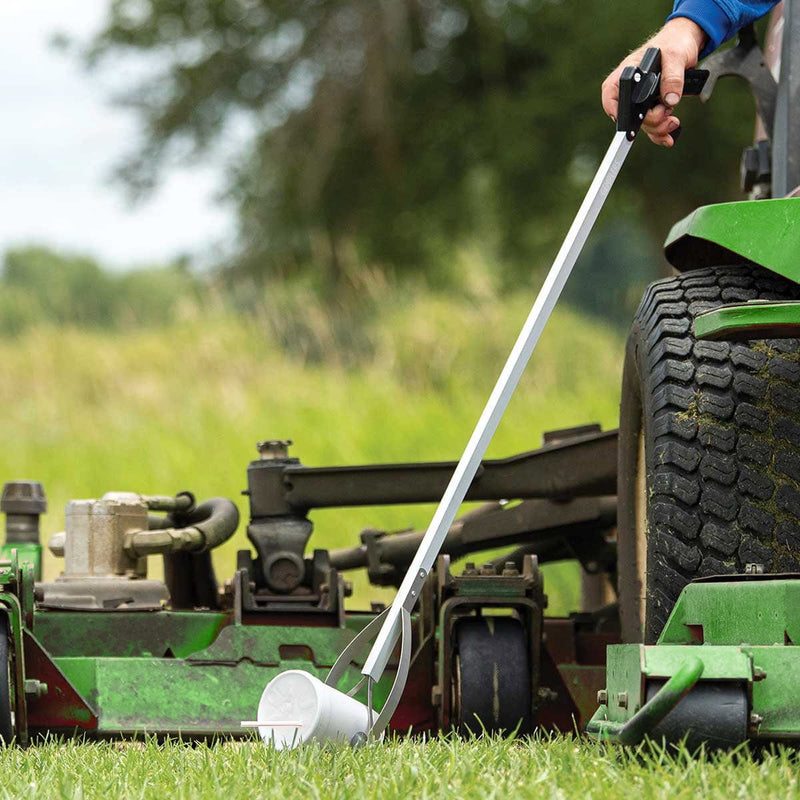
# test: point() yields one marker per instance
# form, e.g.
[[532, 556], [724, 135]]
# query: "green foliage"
[[38, 285], [489, 767], [385, 132]]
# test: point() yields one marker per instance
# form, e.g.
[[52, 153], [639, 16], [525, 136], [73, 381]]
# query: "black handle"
[[640, 90]]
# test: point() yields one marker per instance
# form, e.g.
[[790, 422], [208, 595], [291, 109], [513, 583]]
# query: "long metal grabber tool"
[[639, 92]]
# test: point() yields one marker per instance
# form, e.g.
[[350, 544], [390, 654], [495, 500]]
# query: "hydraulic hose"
[[205, 527]]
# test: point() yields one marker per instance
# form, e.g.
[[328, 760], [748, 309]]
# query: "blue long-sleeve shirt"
[[721, 19]]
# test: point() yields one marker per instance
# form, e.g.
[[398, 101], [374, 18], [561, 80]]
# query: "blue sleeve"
[[721, 19]]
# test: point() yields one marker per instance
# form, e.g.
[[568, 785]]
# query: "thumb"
[[672, 70]]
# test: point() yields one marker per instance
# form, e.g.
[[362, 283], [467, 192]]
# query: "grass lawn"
[[488, 768]]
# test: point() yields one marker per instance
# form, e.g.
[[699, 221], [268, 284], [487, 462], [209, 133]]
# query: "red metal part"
[[62, 707], [573, 670]]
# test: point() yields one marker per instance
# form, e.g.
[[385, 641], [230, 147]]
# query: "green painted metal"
[[759, 612], [214, 681], [27, 552], [653, 712], [739, 630], [137, 695], [776, 692], [754, 320], [271, 645], [127, 633], [720, 662], [766, 232]]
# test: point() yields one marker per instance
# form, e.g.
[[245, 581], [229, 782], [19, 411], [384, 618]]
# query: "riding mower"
[[684, 524], [708, 538]]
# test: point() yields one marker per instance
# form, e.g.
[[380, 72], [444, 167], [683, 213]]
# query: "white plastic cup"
[[312, 710]]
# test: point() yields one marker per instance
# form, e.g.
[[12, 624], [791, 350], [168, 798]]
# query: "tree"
[[387, 130]]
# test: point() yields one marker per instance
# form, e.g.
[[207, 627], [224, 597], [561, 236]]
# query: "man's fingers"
[[655, 116], [663, 141], [610, 94], [663, 127], [673, 66]]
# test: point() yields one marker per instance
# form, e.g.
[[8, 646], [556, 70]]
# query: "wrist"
[[686, 27]]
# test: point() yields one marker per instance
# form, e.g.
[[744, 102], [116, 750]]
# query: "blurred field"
[[391, 375]]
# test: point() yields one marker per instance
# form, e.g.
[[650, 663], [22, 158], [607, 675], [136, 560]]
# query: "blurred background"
[[325, 220]]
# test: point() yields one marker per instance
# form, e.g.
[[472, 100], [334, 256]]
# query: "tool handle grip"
[[640, 90]]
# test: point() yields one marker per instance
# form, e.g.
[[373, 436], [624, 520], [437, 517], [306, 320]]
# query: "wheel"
[[6, 725], [492, 680], [709, 467]]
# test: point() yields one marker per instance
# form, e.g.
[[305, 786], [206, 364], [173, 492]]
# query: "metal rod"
[[498, 402], [653, 711]]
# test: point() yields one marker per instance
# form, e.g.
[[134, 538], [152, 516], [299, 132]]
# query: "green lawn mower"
[[709, 451], [685, 523]]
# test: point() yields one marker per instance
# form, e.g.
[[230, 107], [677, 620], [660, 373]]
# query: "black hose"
[[190, 576], [217, 519]]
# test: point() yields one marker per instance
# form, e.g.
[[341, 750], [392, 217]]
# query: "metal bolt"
[[602, 697], [546, 695], [488, 569], [754, 569], [510, 569], [622, 699], [759, 674], [637, 77], [34, 688], [469, 568], [756, 719], [274, 449]]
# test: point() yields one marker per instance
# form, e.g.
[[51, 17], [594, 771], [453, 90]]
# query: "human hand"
[[680, 42]]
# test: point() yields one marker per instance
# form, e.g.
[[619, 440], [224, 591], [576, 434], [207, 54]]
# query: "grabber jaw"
[[296, 707]]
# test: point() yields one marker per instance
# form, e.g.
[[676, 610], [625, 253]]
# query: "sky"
[[60, 138]]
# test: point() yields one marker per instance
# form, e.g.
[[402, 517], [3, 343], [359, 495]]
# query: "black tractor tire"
[[709, 447], [492, 682]]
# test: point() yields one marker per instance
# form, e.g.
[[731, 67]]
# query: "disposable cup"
[[308, 710]]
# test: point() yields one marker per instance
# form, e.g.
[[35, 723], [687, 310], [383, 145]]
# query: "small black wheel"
[[492, 680], [709, 472], [6, 724]]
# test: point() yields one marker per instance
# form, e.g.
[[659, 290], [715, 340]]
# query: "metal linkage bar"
[[582, 466]]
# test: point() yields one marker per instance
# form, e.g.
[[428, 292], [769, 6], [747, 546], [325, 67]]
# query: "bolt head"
[[273, 449], [602, 697]]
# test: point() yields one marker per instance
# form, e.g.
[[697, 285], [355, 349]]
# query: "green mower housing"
[[724, 670]]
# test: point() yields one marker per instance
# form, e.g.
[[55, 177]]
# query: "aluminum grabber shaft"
[[324, 712], [639, 92]]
